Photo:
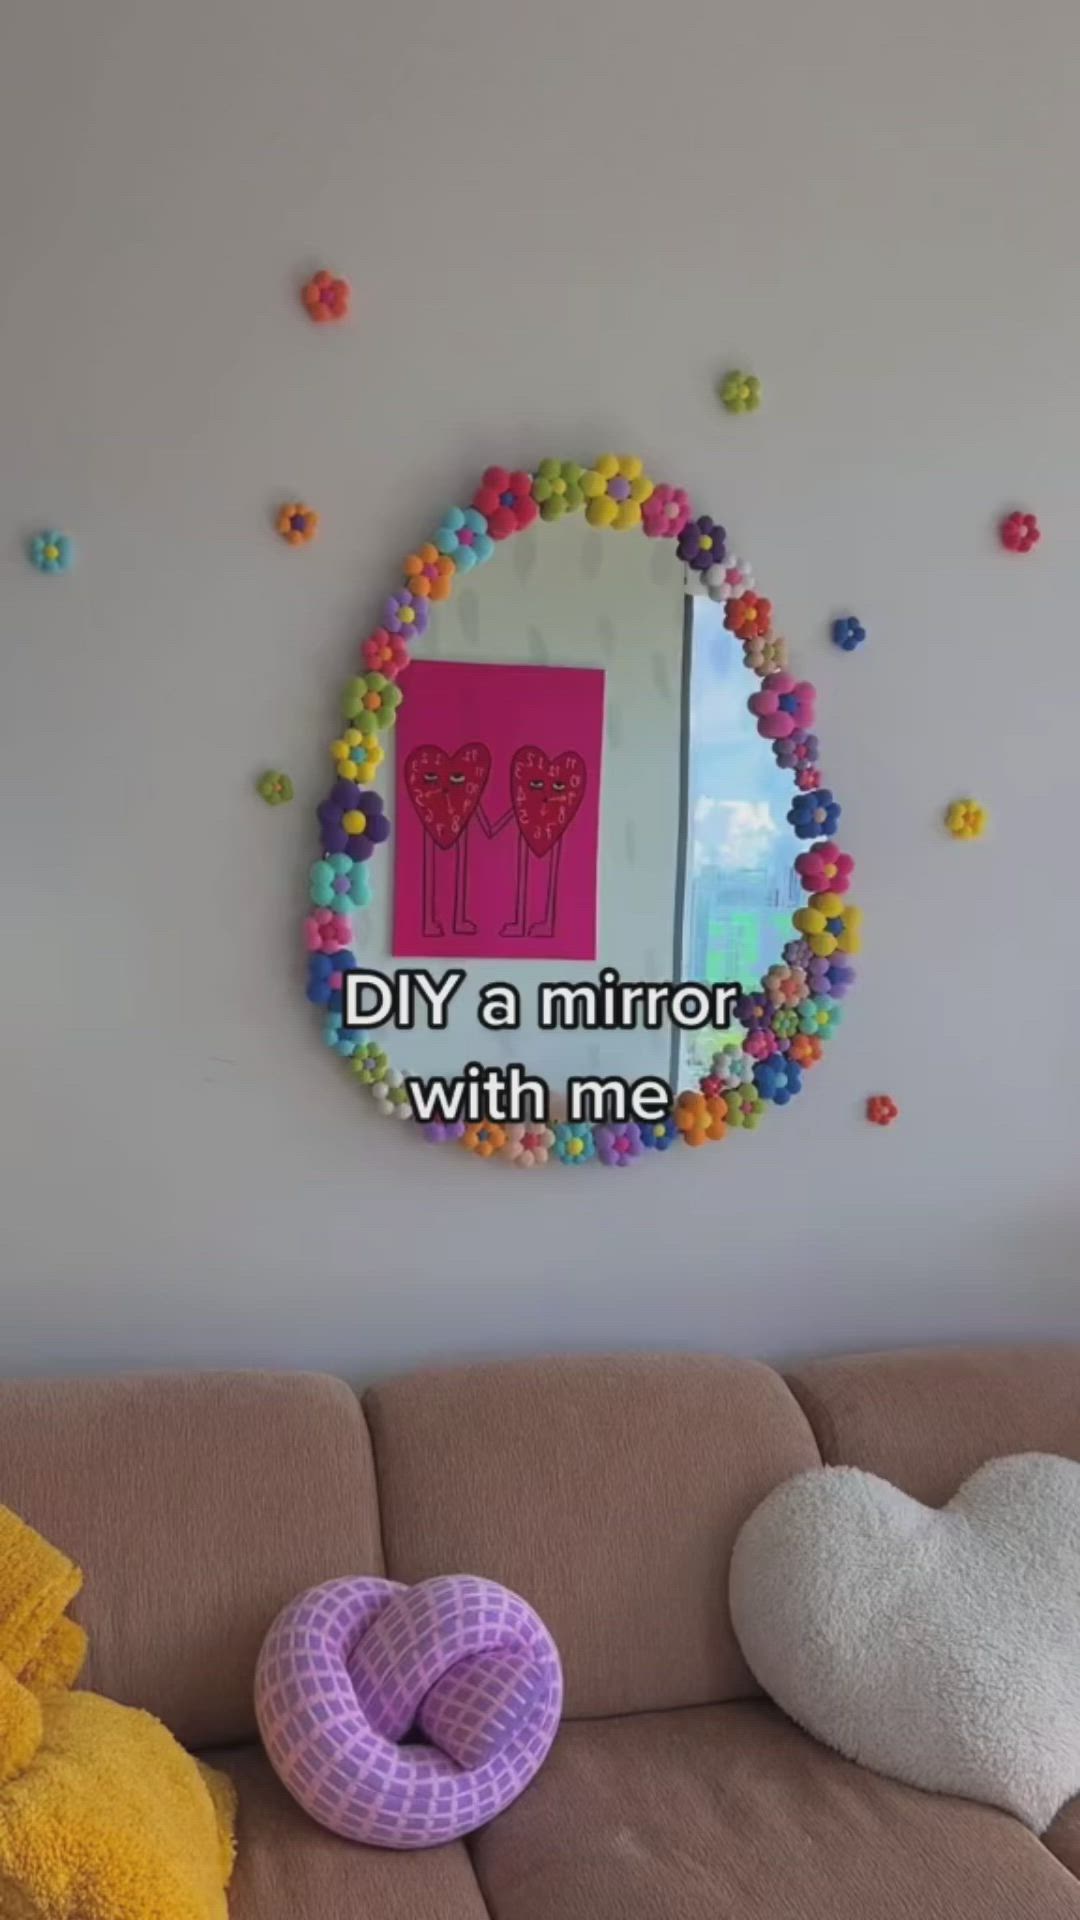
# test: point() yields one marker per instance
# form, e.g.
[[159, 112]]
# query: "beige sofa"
[[608, 1491]]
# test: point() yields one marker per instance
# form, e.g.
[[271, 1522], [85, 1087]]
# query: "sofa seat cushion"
[[730, 1813], [287, 1868]]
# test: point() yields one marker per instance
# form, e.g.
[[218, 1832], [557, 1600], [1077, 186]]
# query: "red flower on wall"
[[1019, 532], [506, 502], [749, 616]]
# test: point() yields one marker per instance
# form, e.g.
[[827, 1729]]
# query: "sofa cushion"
[[1063, 1837], [925, 1418], [730, 1813], [196, 1504], [287, 1868], [607, 1492]]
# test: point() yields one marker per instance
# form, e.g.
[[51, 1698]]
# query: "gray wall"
[[561, 221]]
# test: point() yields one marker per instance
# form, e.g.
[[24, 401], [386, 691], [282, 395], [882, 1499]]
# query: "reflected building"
[[739, 922]]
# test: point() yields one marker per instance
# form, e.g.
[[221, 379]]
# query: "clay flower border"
[[785, 1031]]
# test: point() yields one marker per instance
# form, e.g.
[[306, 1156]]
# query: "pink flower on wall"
[[783, 705]]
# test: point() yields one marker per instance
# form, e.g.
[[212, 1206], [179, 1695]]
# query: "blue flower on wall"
[[51, 552], [814, 814]]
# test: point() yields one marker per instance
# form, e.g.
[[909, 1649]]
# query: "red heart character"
[[446, 788], [545, 795]]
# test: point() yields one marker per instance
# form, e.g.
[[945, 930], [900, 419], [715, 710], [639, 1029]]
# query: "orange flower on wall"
[[327, 298], [297, 524], [430, 574], [699, 1118]]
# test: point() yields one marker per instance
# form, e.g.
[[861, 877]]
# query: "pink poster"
[[497, 822]]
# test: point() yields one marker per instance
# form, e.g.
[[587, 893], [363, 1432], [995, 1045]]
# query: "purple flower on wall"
[[405, 613], [702, 543], [752, 1010], [841, 976], [618, 1145], [799, 750], [353, 820]]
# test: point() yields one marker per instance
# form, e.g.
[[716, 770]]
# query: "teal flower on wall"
[[51, 552]]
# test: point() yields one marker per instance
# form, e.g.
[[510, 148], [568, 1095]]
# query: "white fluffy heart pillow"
[[939, 1646]]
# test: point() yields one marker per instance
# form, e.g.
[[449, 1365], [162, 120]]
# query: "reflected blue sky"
[[741, 886]]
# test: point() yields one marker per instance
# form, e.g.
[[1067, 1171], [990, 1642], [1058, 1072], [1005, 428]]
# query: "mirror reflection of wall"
[[694, 869]]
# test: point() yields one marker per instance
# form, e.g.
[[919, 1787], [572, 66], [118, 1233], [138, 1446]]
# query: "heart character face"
[[446, 788], [545, 795]]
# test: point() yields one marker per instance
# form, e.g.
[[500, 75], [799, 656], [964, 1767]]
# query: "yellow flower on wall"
[[615, 489], [830, 924], [966, 820]]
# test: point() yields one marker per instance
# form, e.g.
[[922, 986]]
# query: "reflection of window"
[[739, 883]]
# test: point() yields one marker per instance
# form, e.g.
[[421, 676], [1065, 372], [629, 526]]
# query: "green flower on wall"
[[745, 1106], [557, 488], [371, 701], [741, 392], [369, 1062], [275, 788]]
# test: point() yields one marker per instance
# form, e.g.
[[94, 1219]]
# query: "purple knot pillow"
[[407, 1716]]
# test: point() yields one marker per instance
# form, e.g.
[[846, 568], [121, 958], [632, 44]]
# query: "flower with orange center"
[[805, 1050], [429, 574], [371, 702], [385, 653]]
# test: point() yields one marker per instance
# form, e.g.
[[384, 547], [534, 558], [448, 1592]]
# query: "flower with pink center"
[[666, 512], [528, 1144], [729, 578], [326, 931], [761, 1044], [618, 1145]]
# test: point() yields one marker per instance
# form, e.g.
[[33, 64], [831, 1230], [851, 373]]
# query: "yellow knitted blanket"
[[102, 1815]]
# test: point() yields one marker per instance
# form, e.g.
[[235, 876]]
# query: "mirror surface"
[[693, 864]]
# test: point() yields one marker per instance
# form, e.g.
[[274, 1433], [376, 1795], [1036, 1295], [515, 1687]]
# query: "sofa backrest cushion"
[[197, 1505], [925, 1418], [607, 1492]]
